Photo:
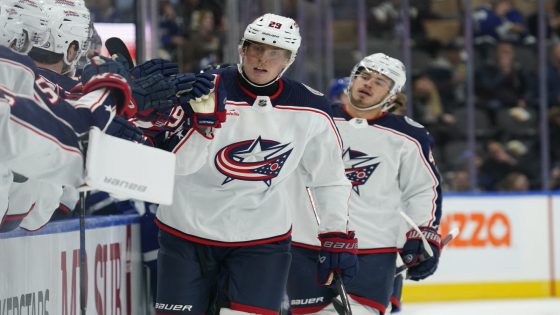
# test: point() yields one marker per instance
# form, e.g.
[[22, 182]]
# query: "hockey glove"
[[420, 264], [100, 64], [94, 78], [160, 93], [338, 254], [206, 105], [155, 66], [123, 129]]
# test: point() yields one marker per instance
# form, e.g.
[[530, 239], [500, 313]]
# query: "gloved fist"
[[152, 92], [121, 128], [155, 66], [101, 64], [106, 73], [420, 264], [338, 254], [206, 102], [160, 93]]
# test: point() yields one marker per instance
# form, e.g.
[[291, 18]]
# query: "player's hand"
[[123, 129], [101, 64], [160, 93], [338, 254], [105, 73], [205, 104], [420, 264], [155, 66]]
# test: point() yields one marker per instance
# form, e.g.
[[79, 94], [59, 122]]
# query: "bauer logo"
[[124, 184], [314, 300], [173, 307]]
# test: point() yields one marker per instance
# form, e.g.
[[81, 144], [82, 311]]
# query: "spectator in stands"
[[553, 75], [503, 83], [496, 166], [460, 181], [105, 11], [555, 177], [386, 21], [429, 110], [204, 45], [554, 129], [448, 71], [501, 21], [187, 11], [515, 181], [171, 31], [552, 9]]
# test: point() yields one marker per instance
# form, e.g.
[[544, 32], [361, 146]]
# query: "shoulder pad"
[[313, 90], [413, 122]]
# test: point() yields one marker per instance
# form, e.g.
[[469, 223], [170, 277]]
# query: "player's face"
[[369, 88], [263, 63]]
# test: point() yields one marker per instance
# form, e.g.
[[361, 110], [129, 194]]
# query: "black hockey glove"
[[160, 93], [155, 66], [338, 254], [420, 264], [101, 64]]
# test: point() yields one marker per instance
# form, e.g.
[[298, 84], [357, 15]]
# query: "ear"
[[72, 53]]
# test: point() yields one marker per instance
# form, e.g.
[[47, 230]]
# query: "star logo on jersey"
[[252, 160], [358, 167]]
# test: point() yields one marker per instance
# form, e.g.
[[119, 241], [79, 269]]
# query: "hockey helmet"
[[23, 24], [391, 67]]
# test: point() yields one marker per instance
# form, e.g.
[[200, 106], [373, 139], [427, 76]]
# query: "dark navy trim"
[[70, 225], [27, 111]]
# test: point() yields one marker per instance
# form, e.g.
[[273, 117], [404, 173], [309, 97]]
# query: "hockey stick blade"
[[117, 46], [342, 306], [448, 238]]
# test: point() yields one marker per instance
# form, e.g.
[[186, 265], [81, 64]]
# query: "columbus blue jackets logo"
[[358, 167], [252, 160]]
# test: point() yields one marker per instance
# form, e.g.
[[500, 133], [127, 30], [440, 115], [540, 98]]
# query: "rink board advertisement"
[[503, 250], [40, 272]]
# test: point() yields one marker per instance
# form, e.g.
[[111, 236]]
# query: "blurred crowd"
[[506, 87]]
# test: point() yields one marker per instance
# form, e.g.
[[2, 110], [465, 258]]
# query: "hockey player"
[[69, 34], [30, 128], [389, 162], [230, 214]]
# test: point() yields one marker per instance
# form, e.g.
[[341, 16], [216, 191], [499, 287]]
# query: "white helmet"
[[274, 30], [391, 67], [22, 24], [69, 21]]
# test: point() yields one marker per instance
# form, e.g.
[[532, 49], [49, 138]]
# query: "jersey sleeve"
[[322, 162], [36, 143], [419, 180], [17, 72]]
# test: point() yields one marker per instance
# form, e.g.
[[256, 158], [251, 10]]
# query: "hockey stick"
[[115, 45], [83, 271], [341, 306], [427, 246], [448, 238]]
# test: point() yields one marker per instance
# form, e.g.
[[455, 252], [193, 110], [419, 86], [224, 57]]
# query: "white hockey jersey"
[[232, 190], [389, 162]]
